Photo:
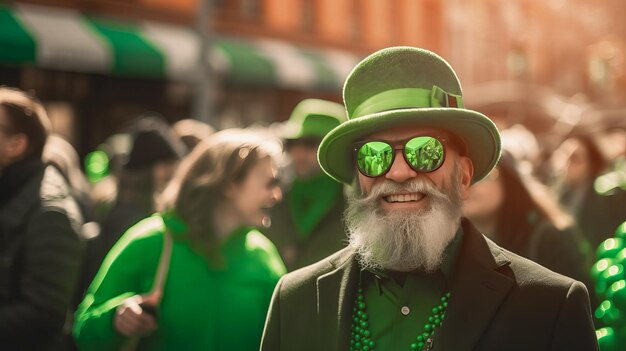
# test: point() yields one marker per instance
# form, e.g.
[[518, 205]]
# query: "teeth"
[[404, 197]]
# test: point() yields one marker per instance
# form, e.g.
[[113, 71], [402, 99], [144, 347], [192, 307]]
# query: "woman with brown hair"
[[221, 271], [577, 163], [521, 215]]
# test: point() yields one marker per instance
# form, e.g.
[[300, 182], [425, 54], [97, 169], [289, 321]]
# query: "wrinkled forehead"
[[404, 132]]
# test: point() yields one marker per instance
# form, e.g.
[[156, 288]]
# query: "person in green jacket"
[[307, 225], [415, 274], [222, 271]]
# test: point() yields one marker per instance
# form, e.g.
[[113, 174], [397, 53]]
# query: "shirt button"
[[405, 310]]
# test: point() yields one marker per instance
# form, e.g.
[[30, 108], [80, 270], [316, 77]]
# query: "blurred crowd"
[[86, 245]]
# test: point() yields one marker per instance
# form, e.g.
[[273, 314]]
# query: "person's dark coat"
[[327, 237], [599, 215], [122, 216], [500, 301], [40, 257], [564, 251]]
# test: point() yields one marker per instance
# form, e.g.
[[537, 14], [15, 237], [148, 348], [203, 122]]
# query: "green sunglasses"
[[424, 154]]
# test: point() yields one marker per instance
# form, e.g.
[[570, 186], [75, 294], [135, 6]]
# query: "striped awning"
[[64, 39]]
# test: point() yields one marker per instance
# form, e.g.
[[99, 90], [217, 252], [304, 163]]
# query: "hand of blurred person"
[[132, 320]]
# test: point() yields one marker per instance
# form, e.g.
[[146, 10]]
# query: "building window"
[[224, 9], [250, 9], [355, 21], [220, 4], [308, 15], [517, 63], [599, 72]]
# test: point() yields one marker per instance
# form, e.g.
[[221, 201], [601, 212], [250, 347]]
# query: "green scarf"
[[310, 200]]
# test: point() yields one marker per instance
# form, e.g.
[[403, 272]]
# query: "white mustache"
[[388, 187]]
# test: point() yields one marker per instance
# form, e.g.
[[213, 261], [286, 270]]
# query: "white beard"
[[403, 240]]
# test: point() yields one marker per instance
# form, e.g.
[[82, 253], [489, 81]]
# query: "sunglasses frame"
[[399, 145]]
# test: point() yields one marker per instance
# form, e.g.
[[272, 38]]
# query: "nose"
[[277, 194], [400, 171]]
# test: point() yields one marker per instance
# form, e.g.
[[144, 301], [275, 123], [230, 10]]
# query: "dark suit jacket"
[[500, 301]]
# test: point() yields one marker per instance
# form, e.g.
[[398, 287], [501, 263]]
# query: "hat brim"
[[477, 131]]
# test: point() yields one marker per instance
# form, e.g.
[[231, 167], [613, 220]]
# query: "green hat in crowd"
[[314, 118], [406, 86]]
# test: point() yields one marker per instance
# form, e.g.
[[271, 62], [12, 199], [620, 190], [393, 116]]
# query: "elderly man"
[[416, 276]]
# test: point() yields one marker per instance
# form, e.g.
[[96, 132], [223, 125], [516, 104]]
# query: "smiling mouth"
[[411, 197]]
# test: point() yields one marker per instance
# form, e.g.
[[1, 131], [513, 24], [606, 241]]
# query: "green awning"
[[132, 53], [65, 39], [17, 45], [246, 64]]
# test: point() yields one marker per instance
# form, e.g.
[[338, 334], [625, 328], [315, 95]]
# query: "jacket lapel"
[[478, 290], [335, 296]]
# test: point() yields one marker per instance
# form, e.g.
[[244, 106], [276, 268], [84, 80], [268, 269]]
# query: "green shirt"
[[310, 200], [399, 304], [203, 308]]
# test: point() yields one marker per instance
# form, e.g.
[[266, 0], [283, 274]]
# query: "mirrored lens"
[[424, 154], [374, 158]]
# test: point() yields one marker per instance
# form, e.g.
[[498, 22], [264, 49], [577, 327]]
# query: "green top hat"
[[406, 86], [314, 118]]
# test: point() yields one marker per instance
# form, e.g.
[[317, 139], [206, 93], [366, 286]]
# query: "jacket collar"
[[14, 177], [336, 291], [478, 289]]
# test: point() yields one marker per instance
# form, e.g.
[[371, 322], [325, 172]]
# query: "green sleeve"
[[268, 257], [127, 270], [275, 263], [267, 254]]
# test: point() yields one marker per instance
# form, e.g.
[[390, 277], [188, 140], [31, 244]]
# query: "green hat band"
[[408, 98]]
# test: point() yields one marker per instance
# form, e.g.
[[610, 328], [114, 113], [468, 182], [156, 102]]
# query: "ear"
[[17, 146], [466, 173]]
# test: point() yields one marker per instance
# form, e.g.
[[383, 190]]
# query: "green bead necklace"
[[361, 337]]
